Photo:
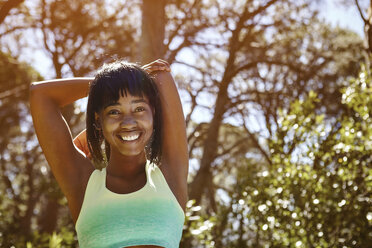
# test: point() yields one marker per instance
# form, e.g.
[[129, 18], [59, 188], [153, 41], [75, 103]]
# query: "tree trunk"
[[199, 184], [368, 29], [153, 31], [367, 19]]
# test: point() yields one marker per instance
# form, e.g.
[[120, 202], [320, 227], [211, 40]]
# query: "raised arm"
[[46, 99], [175, 151]]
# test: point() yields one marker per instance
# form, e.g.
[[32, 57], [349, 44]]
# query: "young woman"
[[136, 130]]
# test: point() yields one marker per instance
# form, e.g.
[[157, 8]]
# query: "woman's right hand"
[[157, 66]]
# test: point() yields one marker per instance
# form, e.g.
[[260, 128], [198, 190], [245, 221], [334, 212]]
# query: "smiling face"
[[127, 125], [113, 81]]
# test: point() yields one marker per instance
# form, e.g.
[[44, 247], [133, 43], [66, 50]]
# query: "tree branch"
[[15, 29], [260, 9], [361, 12], [256, 143], [238, 143], [12, 92], [6, 7]]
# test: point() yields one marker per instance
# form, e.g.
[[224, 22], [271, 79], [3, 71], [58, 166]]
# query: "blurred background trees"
[[276, 102]]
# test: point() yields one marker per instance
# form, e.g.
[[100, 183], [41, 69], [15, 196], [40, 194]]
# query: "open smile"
[[130, 137]]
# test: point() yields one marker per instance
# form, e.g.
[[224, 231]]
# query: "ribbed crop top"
[[149, 216]]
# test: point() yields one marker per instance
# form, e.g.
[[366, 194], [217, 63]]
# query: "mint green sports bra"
[[149, 216]]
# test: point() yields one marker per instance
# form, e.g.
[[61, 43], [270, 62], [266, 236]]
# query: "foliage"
[[63, 239], [317, 194], [27, 188], [198, 225], [16, 155]]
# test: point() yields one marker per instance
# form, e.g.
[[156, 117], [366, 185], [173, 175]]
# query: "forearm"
[[174, 145], [173, 118], [61, 91]]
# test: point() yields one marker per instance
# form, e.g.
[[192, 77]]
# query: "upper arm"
[[54, 136], [174, 150]]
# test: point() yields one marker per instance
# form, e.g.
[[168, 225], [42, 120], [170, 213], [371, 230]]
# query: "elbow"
[[33, 95], [37, 94], [31, 90], [34, 90]]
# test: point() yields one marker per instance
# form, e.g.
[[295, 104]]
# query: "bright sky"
[[347, 17]]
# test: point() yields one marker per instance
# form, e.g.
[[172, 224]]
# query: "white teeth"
[[129, 138]]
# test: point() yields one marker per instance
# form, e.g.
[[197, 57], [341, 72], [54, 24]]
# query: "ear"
[[97, 123]]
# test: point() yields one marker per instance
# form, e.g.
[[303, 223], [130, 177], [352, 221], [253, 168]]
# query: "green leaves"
[[63, 239], [323, 180], [198, 225], [316, 191]]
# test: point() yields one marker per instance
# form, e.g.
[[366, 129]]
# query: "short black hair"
[[112, 81]]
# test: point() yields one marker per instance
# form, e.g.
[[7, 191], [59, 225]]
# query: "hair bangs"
[[110, 91]]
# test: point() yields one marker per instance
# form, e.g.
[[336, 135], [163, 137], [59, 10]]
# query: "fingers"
[[154, 68], [160, 62], [158, 68], [163, 62], [157, 65]]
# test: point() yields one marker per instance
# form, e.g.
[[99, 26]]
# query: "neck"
[[126, 167]]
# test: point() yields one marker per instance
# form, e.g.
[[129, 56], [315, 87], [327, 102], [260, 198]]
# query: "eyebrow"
[[140, 100]]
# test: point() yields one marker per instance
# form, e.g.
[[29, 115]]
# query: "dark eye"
[[139, 109], [113, 112]]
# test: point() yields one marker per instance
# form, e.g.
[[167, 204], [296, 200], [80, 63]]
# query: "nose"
[[128, 122]]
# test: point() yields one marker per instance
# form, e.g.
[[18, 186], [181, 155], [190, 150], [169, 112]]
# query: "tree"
[[364, 8], [74, 36], [19, 154], [317, 194], [271, 75], [367, 19], [252, 76]]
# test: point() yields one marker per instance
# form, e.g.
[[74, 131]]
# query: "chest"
[[120, 186]]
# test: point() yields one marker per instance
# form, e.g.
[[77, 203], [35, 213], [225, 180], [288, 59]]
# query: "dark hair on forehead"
[[112, 81], [120, 79]]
